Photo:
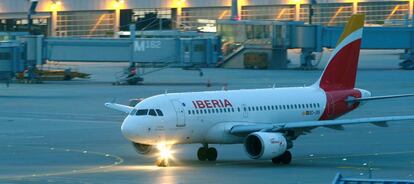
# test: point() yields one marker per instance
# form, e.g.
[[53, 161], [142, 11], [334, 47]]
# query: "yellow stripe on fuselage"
[[354, 23]]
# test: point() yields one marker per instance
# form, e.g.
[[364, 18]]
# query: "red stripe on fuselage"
[[336, 104]]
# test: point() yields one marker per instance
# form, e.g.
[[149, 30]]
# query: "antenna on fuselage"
[[224, 87]]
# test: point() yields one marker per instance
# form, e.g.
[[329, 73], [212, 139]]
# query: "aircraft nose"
[[129, 129]]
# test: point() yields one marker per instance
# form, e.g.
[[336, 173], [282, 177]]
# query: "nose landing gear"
[[165, 154], [205, 153], [162, 162]]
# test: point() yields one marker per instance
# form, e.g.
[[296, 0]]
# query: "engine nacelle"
[[265, 145], [142, 148]]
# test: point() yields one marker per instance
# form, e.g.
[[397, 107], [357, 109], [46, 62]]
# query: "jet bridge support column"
[[307, 57], [280, 42], [279, 59]]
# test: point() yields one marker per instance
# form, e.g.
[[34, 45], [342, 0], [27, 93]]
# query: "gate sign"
[[142, 46]]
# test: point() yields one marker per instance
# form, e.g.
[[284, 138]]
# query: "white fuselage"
[[206, 117]]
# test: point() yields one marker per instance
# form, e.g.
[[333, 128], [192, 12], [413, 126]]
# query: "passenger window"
[[261, 108], [221, 110], [205, 111], [152, 112], [217, 111], [249, 109], [232, 109], [225, 110], [142, 112], [238, 109], [159, 112], [189, 112]]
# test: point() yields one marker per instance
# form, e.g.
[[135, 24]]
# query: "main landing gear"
[[205, 153], [285, 158]]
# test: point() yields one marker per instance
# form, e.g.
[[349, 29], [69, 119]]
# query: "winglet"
[[340, 73]]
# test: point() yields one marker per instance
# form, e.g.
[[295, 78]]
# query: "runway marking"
[[118, 161]]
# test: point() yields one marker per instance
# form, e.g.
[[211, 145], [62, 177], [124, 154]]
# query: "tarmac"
[[60, 132]]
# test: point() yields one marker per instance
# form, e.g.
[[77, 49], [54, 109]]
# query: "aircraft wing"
[[119, 107], [334, 124]]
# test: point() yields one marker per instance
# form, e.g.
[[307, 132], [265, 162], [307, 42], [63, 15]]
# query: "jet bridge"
[[155, 50], [145, 51], [314, 38], [274, 38]]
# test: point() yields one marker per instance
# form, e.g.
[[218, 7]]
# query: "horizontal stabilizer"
[[378, 98], [119, 107]]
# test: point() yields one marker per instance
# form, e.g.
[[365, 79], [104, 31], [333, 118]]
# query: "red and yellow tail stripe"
[[340, 73]]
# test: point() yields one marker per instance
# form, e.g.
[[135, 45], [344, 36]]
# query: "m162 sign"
[[142, 46]]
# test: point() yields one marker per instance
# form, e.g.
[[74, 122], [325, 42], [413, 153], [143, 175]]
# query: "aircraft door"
[[179, 109], [244, 110]]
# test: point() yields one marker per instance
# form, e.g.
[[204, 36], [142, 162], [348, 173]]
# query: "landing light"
[[164, 155], [164, 151]]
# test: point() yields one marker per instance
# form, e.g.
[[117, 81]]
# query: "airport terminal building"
[[105, 18]]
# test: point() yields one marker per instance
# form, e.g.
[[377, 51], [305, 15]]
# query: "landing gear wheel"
[[285, 158], [202, 154], [211, 154], [162, 163], [276, 160]]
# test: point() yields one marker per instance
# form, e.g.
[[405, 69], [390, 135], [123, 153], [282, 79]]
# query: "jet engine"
[[142, 148], [265, 145]]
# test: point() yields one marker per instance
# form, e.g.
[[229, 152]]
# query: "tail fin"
[[340, 73]]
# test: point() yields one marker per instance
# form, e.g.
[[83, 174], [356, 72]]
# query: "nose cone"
[[365, 93], [130, 129]]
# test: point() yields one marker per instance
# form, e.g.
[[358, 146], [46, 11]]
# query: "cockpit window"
[[159, 112], [152, 112], [142, 112], [133, 112]]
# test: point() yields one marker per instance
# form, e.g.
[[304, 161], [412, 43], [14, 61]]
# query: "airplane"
[[265, 121]]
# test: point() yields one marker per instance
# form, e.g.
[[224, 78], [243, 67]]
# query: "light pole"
[[311, 11], [30, 12]]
